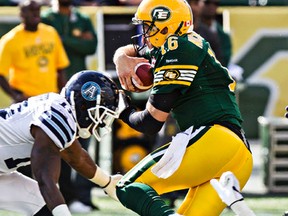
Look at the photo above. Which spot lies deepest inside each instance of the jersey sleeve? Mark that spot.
(58, 122)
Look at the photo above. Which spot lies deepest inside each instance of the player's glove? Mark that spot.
(106, 182)
(110, 188)
(173, 156)
(227, 188)
(124, 102)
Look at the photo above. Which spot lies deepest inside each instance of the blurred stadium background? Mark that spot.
(259, 32)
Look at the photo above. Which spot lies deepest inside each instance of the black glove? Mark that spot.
(124, 106)
(124, 102)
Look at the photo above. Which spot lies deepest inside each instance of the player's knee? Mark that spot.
(121, 194)
(127, 193)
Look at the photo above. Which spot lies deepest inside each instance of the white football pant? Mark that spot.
(19, 193)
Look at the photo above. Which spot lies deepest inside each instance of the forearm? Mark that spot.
(124, 52)
(6, 87)
(51, 195)
(84, 164)
(54, 200)
(91, 171)
(61, 79)
(141, 121)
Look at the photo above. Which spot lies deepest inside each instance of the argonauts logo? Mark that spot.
(90, 90)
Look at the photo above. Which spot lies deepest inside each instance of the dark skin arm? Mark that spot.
(46, 163)
(61, 78)
(16, 96)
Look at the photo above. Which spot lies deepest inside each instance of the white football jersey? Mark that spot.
(51, 112)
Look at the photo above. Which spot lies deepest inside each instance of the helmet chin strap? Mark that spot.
(84, 133)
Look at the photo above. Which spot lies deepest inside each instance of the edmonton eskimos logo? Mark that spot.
(90, 90)
(171, 75)
(161, 13)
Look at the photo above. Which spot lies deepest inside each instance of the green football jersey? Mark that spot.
(188, 64)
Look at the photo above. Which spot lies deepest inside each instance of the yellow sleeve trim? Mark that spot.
(167, 82)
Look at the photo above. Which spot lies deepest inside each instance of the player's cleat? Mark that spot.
(285, 213)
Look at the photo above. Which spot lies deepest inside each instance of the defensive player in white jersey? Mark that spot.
(44, 129)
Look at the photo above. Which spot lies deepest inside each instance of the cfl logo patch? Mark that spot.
(161, 14)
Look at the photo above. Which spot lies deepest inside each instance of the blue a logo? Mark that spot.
(90, 90)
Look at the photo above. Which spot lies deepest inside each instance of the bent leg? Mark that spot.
(202, 199)
(211, 152)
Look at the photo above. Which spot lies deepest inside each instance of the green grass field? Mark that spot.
(262, 206)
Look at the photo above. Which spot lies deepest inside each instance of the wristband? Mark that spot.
(236, 202)
(107, 183)
(101, 178)
(61, 210)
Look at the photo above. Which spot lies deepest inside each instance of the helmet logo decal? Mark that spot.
(90, 90)
(161, 14)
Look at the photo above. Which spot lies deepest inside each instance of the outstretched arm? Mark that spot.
(45, 162)
(16, 96)
(80, 160)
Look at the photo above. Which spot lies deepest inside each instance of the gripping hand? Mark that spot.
(110, 188)
(227, 188)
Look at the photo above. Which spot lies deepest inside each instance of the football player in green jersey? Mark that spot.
(192, 86)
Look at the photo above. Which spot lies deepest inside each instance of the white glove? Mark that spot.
(123, 102)
(173, 156)
(227, 188)
(110, 189)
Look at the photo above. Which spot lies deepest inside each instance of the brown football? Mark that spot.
(145, 74)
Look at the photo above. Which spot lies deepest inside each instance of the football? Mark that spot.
(145, 74)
